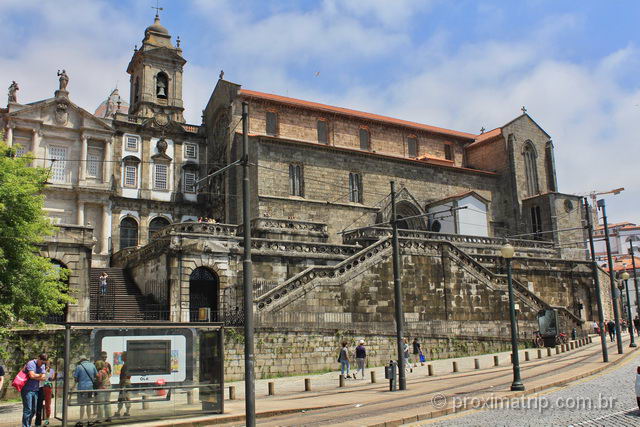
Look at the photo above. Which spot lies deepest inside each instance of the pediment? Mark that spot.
(60, 112)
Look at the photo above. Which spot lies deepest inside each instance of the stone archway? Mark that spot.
(204, 292)
(407, 215)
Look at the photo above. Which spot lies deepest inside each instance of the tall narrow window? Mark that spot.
(93, 164)
(323, 132)
(412, 146)
(161, 177)
(550, 165)
(355, 187)
(58, 156)
(136, 90)
(295, 180)
(448, 152)
(536, 221)
(162, 86)
(131, 176)
(272, 123)
(365, 143)
(128, 233)
(530, 168)
(189, 182)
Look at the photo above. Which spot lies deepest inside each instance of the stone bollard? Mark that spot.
(557, 349)
(190, 397)
(539, 353)
(476, 363)
(549, 351)
(455, 366)
(526, 356)
(373, 377)
(232, 392)
(572, 345)
(340, 381)
(590, 340)
(307, 384)
(496, 361)
(145, 404)
(272, 388)
(430, 370)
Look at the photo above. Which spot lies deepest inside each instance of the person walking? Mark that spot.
(405, 354)
(636, 324)
(35, 371)
(85, 375)
(103, 283)
(361, 356)
(343, 359)
(611, 329)
(1, 378)
(103, 382)
(417, 353)
(124, 397)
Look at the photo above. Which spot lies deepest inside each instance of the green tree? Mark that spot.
(31, 287)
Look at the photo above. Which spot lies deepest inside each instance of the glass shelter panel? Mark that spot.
(140, 373)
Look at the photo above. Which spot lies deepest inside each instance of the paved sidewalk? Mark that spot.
(362, 403)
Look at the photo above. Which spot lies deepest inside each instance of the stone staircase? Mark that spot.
(299, 285)
(123, 300)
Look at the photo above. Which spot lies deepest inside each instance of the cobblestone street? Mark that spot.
(606, 399)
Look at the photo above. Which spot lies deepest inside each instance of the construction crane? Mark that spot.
(594, 196)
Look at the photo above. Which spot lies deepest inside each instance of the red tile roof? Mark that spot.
(486, 137)
(354, 113)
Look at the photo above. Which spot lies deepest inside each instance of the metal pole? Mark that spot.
(66, 375)
(596, 280)
(397, 291)
(249, 362)
(635, 277)
(516, 385)
(616, 308)
(633, 340)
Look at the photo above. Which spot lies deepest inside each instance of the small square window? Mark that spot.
(189, 182)
(131, 143)
(191, 151)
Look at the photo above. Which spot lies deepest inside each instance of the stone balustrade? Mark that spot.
(279, 224)
(266, 246)
(207, 228)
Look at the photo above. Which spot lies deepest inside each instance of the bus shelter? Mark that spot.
(153, 370)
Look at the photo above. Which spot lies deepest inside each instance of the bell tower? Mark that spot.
(156, 76)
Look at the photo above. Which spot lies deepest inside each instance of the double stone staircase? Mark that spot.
(123, 300)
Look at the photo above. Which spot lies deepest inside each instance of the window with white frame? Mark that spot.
(131, 143)
(161, 177)
(190, 182)
(94, 158)
(58, 156)
(190, 151)
(131, 175)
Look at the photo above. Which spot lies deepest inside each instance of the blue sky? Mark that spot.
(458, 64)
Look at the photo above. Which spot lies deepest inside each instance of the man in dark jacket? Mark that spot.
(611, 328)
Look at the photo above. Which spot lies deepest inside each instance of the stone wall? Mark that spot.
(281, 352)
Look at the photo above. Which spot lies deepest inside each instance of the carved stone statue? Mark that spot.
(64, 79)
(13, 96)
(221, 76)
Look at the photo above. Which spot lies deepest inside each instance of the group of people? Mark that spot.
(360, 354)
(207, 220)
(91, 379)
(610, 327)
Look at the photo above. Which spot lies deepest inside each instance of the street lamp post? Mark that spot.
(507, 252)
(625, 277)
(614, 293)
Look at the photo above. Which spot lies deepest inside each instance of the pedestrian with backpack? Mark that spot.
(343, 359)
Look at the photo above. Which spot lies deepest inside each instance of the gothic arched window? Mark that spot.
(530, 168)
(128, 233)
(162, 85)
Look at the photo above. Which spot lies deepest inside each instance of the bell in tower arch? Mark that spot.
(161, 85)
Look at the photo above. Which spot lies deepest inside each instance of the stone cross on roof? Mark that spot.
(157, 8)
(523, 109)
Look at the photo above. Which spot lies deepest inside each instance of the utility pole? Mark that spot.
(596, 280)
(397, 291)
(635, 276)
(614, 291)
(249, 358)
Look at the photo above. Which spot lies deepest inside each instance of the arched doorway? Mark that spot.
(204, 288)
(128, 233)
(157, 224)
(407, 215)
